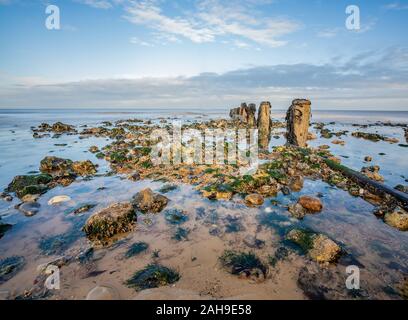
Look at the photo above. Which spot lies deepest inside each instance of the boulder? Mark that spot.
(58, 199)
(147, 201)
(310, 204)
(105, 224)
(29, 208)
(56, 167)
(319, 247)
(29, 184)
(298, 121)
(372, 172)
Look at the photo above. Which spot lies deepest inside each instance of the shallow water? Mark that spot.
(380, 250)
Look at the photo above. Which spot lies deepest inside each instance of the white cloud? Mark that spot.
(396, 6)
(99, 4)
(369, 80)
(211, 20)
(328, 33)
(137, 41)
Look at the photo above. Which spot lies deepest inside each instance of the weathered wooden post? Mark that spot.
(297, 122)
(244, 114)
(264, 124)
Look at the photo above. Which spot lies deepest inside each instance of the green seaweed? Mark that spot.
(181, 234)
(168, 188)
(175, 216)
(238, 262)
(9, 267)
(152, 276)
(136, 249)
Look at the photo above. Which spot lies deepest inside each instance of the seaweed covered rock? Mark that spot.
(105, 224)
(243, 264)
(318, 246)
(59, 167)
(29, 184)
(397, 219)
(9, 267)
(152, 276)
(84, 168)
(147, 201)
(175, 216)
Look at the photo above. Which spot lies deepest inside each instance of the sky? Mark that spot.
(203, 54)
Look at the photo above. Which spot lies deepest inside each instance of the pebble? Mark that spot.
(58, 199)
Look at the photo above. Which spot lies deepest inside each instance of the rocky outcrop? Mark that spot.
(102, 226)
(244, 114)
(264, 124)
(318, 246)
(146, 201)
(298, 121)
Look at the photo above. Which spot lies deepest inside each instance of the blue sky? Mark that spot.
(157, 53)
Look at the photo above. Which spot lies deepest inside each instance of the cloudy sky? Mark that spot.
(203, 54)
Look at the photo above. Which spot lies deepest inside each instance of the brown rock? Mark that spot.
(84, 168)
(105, 224)
(254, 200)
(397, 219)
(146, 201)
(244, 114)
(311, 204)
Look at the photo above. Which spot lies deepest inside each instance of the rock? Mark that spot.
(94, 149)
(372, 173)
(105, 224)
(311, 136)
(368, 159)
(244, 114)
(60, 127)
(58, 199)
(264, 124)
(268, 190)
(56, 167)
(146, 201)
(102, 293)
(311, 204)
(340, 142)
(254, 200)
(318, 246)
(30, 198)
(6, 197)
(406, 134)
(29, 184)
(223, 195)
(29, 208)
(134, 176)
(297, 211)
(4, 227)
(397, 219)
(298, 119)
(296, 183)
(9, 267)
(401, 188)
(84, 168)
